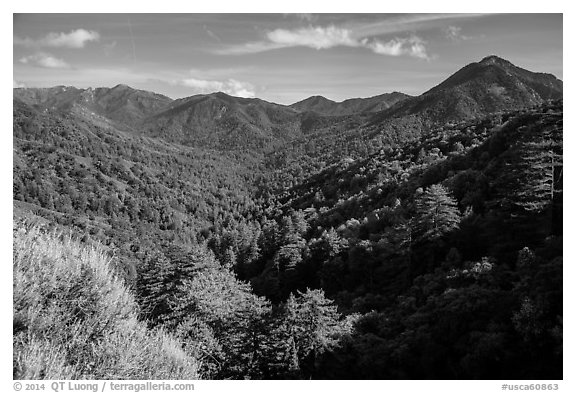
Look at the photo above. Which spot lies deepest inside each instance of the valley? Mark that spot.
(390, 237)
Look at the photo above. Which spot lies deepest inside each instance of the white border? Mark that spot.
(230, 6)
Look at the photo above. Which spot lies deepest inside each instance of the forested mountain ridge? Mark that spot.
(490, 85)
(481, 89)
(224, 122)
(350, 106)
(121, 103)
(405, 249)
(214, 120)
(127, 192)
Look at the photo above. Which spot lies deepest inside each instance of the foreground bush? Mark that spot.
(73, 319)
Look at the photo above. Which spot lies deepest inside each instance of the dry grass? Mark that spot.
(73, 319)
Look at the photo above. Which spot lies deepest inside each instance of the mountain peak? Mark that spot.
(122, 86)
(220, 94)
(493, 59)
(490, 85)
(314, 100)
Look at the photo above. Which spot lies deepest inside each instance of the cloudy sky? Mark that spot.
(277, 57)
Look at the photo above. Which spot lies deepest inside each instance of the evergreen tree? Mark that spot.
(287, 262)
(531, 169)
(436, 213)
(155, 286)
(212, 298)
(539, 171)
(314, 324)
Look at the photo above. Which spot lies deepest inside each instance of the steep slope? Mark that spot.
(453, 238)
(75, 319)
(113, 184)
(491, 85)
(351, 106)
(372, 104)
(222, 121)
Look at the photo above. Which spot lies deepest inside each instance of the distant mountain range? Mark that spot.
(351, 106)
(218, 120)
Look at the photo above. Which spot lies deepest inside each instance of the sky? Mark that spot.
(281, 58)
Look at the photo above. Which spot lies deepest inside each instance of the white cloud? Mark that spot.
(44, 60)
(354, 34)
(232, 87)
(240, 89)
(203, 85)
(413, 46)
(75, 39)
(313, 37)
(330, 37)
(17, 84)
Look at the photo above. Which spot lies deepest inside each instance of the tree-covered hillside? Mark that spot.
(129, 193)
(450, 248)
(399, 244)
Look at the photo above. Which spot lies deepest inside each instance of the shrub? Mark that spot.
(74, 319)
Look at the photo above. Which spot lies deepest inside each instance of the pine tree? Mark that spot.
(533, 167)
(436, 213)
(286, 262)
(155, 286)
(539, 171)
(314, 324)
(162, 276)
(212, 298)
(327, 246)
(292, 359)
(247, 340)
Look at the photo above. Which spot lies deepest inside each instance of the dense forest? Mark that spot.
(413, 238)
